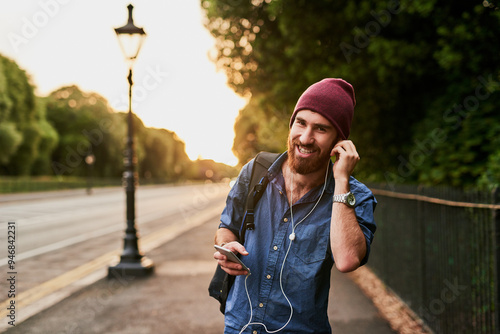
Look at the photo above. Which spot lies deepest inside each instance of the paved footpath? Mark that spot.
(175, 299)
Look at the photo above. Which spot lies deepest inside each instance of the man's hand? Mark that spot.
(346, 158)
(232, 268)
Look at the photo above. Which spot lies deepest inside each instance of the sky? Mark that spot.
(176, 87)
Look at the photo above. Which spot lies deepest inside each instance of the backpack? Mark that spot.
(222, 282)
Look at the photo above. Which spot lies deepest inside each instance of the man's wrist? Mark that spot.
(341, 186)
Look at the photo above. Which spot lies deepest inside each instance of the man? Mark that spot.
(305, 222)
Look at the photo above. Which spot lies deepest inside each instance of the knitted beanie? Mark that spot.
(332, 98)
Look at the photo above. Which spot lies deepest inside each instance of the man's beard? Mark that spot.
(306, 165)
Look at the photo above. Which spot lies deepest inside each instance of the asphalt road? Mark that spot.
(63, 237)
(48, 222)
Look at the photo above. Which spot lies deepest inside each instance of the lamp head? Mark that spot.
(130, 38)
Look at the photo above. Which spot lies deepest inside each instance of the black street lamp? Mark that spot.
(132, 262)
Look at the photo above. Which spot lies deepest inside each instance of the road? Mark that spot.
(51, 223)
(61, 235)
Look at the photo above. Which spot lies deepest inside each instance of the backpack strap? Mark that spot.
(258, 183)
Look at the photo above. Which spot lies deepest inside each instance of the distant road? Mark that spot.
(53, 220)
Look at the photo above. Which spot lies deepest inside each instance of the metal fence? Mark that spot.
(439, 249)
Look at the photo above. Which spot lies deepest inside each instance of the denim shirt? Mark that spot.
(307, 269)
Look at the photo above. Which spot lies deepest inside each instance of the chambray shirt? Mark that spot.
(307, 269)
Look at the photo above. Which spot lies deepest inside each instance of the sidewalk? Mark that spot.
(175, 299)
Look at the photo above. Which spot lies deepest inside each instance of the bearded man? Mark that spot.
(312, 214)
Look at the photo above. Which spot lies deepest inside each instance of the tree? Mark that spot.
(286, 46)
(25, 135)
(48, 142)
(164, 156)
(86, 125)
(408, 61)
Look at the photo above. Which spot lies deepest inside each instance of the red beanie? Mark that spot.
(332, 98)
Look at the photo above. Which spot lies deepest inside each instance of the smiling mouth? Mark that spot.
(303, 150)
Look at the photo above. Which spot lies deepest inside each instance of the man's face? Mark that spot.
(310, 141)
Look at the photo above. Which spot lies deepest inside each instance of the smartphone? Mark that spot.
(231, 256)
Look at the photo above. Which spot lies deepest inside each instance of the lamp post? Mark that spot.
(132, 262)
(89, 160)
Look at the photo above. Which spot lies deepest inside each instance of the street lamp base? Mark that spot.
(123, 270)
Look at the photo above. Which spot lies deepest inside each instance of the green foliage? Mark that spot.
(409, 63)
(490, 178)
(258, 129)
(25, 135)
(48, 142)
(25, 156)
(467, 111)
(164, 156)
(86, 125)
(10, 139)
(17, 101)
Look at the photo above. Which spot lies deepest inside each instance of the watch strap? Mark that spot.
(340, 198)
(347, 198)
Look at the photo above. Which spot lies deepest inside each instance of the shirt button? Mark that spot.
(254, 332)
(281, 193)
(261, 305)
(285, 220)
(275, 247)
(268, 276)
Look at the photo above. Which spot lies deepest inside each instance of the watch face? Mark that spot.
(351, 200)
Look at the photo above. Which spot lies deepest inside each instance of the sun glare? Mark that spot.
(176, 86)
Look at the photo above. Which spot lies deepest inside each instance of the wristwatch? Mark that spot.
(347, 199)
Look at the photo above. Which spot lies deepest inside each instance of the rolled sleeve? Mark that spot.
(364, 210)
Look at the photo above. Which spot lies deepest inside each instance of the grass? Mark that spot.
(9, 185)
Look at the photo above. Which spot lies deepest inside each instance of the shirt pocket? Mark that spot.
(311, 243)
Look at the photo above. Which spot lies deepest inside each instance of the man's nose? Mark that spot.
(306, 137)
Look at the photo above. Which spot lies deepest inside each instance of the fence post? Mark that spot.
(496, 243)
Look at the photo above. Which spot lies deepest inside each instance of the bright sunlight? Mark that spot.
(176, 87)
